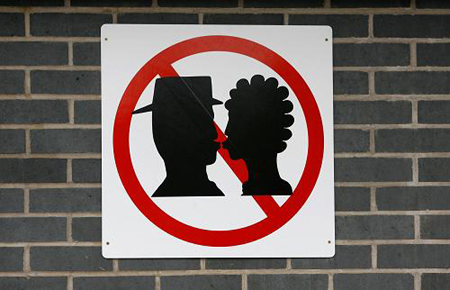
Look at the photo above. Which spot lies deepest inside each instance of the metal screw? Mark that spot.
(326, 39)
(107, 243)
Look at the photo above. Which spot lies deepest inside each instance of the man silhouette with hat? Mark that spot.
(184, 134)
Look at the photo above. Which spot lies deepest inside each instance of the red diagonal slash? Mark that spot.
(266, 202)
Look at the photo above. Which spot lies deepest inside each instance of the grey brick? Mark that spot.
(42, 3)
(369, 3)
(114, 283)
(435, 227)
(35, 170)
(430, 54)
(373, 281)
(65, 24)
(33, 111)
(245, 263)
(350, 83)
(33, 283)
(11, 200)
(283, 3)
(32, 229)
(412, 140)
(371, 54)
(65, 200)
(87, 229)
(408, 26)
(65, 82)
(198, 3)
(11, 260)
(372, 169)
(434, 169)
(374, 227)
(87, 112)
(12, 141)
(287, 282)
(66, 141)
(266, 19)
(372, 112)
(68, 259)
(433, 281)
(87, 170)
(434, 112)
(201, 282)
(12, 24)
(111, 3)
(432, 4)
(342, 25)
(352, 198)
(158, 18)
(86, 53)
(347, 257)
(13, 81)
(413, 256)
(413, 198)
(351, 141)
(33, 53)
(418, 82)
(158, 264)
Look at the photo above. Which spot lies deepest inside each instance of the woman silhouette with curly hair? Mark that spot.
(256, 132)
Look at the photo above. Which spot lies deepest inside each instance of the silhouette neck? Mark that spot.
(186, 171)
(263, 169)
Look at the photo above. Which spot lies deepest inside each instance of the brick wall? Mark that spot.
(392, 122)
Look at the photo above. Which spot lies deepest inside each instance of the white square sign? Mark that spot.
(217, 141)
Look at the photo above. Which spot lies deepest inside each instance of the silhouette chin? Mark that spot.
(265, 187)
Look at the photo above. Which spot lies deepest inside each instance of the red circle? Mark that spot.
(162, 62)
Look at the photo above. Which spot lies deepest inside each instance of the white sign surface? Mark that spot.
(168, 190)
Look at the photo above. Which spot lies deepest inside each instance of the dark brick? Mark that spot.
(65, 24)
(283, 3)
(158, 18)
(111, 3)
(198, 3)
(66, 141)
(369, 3)
(375, 227)
(32, 3)
(418, 82)
(266, 19)
(87, 229)
(65, 200)
(432, 4)
(347, 257)
(11, 260)
(33, 170)
(434, 169)
(435, 227)
(412, 140)
(86, 53)
(114, 283)
(12, 24)
(342, 25)
(434, 112)
(371, 54)
(33, 111)
(33, 283)
(352, 198)
(12, 141)
(159, 264)
(413, 198)
(411, 26)
(372, 169)
(33, 53)
(32, 229)
(433, 281)
(430, 54)
(65, 82)
(11, 200)
(372, 112)
(245, 263)
(287, 282)
(201, 282)
(351, 141)
(413, 256)
(87, 112)
(373, 281)
(87, 170)
(13, 82)
(350, 83)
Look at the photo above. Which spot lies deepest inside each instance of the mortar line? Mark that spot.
(26, 200)
(26, 259)
(240, 4)
(70, 53)
(415, 169)
(289, 263)
(372, 141)
(373, 200)
(327, 4)
(413, 54)
(27, 82)
(371, 78)
(114, 17)
(286, 19)
(370, 26)
(69, 228)
(69, 171)
(70, 282)
(417, 227)
(417, 281)
(157, 282)
(330, 281)
(414, 113)
(374, 256)
(115, 263)
(27, 142)
(200, 18)
(202, 263)
(154, 3)
(27, 22)
(71, 111)
(244, 282)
